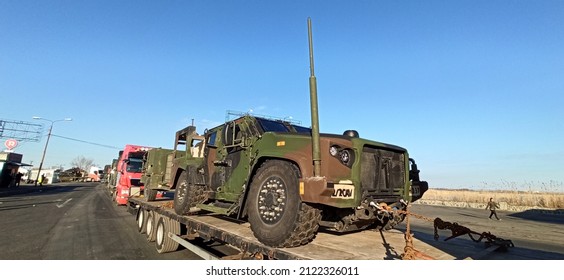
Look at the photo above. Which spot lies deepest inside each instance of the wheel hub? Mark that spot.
(182, 192)
(272, 200)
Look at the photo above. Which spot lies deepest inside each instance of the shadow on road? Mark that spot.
(546, 216)
(463, 247)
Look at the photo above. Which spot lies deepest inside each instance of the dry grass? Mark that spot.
(552, 200)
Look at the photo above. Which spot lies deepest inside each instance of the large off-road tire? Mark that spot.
(151, 225)
(150, 194)
(162, 241)
(142, 220)
(276, 213)
(187, 195)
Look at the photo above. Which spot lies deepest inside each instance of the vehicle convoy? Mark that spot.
(286, 180)
(128, 173)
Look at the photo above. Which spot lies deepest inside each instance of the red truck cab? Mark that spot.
(129, 170)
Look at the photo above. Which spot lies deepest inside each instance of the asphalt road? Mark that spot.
(79, 222)
(535, 235)
(72, 222)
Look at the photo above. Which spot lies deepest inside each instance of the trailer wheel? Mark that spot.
(163, 243)
(151, 218)
(150, 194)
(187, 195)
(277, 216)
(142, 220)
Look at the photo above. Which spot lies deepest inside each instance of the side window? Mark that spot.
(197, 148)
(233, 135)
(180, 146)
(211, 139)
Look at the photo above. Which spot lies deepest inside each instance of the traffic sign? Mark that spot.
(11, 144)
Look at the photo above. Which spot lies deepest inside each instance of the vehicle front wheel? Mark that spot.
(187, 195)
(276, 213)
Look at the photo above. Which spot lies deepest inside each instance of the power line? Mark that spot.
(20, 130)
(82, 141)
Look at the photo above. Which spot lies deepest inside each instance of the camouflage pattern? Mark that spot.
(360, 174)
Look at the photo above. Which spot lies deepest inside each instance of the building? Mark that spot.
(9, 167)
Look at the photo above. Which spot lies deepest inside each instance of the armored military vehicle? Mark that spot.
(287, 180)
(261, 169)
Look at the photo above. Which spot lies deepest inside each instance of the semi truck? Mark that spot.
(95, 174)
(287, 181)
(128, 173)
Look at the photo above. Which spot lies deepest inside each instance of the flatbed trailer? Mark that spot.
(158, 220)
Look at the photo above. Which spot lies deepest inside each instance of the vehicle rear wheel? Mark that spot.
(187, 195)
(277, 216)
(164, 243)
(150, 194)
(142, 220)
(150, 231)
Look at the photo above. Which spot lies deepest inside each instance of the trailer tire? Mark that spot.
(187, 195)
(276, 213)
(151, 220)
(150, 194)
(142, 220)
(164, 243)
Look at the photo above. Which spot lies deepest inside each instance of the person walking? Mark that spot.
(492, 205)
(42, 180)
(18, 178)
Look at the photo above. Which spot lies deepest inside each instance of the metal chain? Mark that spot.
(410, 253)
(455, 228)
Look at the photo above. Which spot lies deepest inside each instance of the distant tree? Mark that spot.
(82, 163)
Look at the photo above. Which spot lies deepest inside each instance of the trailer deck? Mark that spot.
(362, 245)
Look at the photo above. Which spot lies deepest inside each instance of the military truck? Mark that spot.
(156, 172)
(287, 180)
(261, 169)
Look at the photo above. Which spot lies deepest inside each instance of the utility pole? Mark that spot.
(46, 143)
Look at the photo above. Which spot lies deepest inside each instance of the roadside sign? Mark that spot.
(11, 144)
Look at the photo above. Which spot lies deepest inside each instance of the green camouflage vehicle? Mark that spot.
(261, 170)
(156, 172)
(287, 180)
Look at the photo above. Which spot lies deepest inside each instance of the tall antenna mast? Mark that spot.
(314, 112)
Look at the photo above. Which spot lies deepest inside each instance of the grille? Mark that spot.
(382, 172)
(136, 182)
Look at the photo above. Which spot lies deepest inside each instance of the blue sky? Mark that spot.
(473, 89)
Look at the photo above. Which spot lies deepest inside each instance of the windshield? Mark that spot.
(134, 165)
(272, 126)
(301, 129)
(278, 126)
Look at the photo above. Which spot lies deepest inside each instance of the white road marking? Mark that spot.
(62, 205)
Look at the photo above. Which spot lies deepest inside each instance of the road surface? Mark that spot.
(79, 222)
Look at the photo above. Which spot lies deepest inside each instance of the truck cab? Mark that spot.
(129, 171)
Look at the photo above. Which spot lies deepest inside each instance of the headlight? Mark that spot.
(333, 150)
(346, 157)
